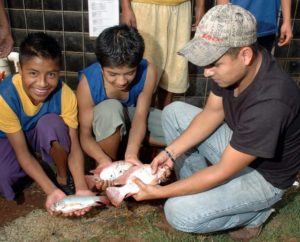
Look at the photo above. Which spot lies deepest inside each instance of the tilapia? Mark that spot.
(109, 172)
(144, 172)
(73, 202)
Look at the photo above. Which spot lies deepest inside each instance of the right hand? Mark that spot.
(52, 198)
(162, 160)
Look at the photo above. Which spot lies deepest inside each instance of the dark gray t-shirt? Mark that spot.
(265, 119)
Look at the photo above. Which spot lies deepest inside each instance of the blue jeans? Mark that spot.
(243, 200)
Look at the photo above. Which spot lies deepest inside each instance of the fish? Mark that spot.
(74, 202)
(116, 194)
(108, 172)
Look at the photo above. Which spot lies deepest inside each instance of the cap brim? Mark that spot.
(201, 53)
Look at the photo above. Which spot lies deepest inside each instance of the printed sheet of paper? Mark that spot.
(102, 14)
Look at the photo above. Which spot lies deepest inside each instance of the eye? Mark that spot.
(52, 74)
(32, 73)
(130, 73)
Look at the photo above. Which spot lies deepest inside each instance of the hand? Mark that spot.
(102, 164)
(162, 160)
(286, 34)
(6, 42)
(83, 211)
(128, 17)
(133, 159)
(102, 185)
(52, 198)
(146, 192)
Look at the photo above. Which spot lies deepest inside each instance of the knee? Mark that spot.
(175, 216)
(180, 214)
(108, 110)
(51, 121)
(171, 109)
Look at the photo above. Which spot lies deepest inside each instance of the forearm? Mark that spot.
(126, 5)
(199, 129)
(200, 4)
(76, 166)
(92, 148)
(200, 181)
(3, 18)
(136, 137)
(286, 10)
(33, 169)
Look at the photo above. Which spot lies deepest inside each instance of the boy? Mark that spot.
(117, 87)
(254, 155)
(39, 114)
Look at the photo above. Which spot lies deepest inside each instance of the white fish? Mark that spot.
(109, 172)
(143, 172)
(113, 171)
(73, 202)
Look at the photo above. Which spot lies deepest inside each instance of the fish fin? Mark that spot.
(90, 181)
(114, 195)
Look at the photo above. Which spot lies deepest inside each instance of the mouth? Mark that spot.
(41, 92)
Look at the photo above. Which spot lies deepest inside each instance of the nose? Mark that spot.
(42, 81)
(122, 80)
(208, 72)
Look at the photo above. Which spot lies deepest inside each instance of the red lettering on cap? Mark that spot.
(209, 37)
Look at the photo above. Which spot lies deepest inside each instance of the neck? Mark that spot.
(250, 75)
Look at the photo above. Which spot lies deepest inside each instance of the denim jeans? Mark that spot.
(243, 200)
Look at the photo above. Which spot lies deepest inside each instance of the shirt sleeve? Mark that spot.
(9, 122)
(69, 107)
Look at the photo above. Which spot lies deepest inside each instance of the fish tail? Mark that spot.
(90, 181)
(115, 195)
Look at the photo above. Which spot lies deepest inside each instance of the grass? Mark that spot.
(283, 225)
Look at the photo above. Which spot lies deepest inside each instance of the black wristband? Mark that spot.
(169, 155)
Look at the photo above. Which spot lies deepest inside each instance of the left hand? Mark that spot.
(147, 192)
(286, 34)
(133, 159)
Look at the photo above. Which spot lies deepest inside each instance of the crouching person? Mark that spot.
(249, 131)
(38, 114)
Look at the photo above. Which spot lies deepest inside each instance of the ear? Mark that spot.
(247, 55)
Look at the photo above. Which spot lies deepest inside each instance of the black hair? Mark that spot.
(234, 51)
(40, 45)
(120, 45)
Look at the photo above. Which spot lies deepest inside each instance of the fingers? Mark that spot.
(138, 182)
(102, 185)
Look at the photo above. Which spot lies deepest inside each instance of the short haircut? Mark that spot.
(40, 45)
(120, 45)
(234, 51)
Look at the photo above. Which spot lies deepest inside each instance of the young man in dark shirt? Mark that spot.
(249, 131)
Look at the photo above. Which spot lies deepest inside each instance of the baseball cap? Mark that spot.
(221, 28)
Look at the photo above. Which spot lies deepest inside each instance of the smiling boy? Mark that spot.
(39, 115)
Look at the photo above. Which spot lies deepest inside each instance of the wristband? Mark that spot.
(169, 155)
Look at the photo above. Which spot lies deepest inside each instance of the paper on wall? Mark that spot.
(102, 14)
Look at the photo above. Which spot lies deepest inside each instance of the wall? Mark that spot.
(67, 21)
